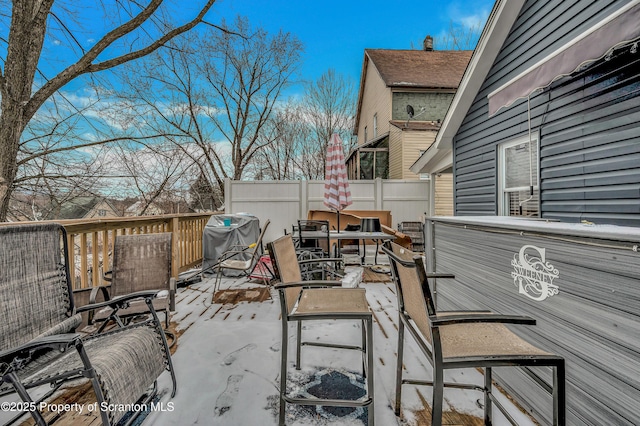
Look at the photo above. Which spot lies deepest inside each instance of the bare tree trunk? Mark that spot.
(19, 102)
(26, 37)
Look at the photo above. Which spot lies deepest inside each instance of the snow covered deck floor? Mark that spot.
(228, 358)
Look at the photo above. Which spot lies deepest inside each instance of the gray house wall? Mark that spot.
(592, 321)
(435, 104)
(589, 124)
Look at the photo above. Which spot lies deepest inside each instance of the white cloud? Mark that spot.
(474, 21)
(469, 14)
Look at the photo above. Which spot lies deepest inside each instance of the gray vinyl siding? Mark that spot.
(588, 124)
(592, 321)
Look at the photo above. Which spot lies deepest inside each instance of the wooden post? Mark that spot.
(175, 247)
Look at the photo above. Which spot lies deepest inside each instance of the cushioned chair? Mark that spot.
(140, 262)
(316, 300)
(453, 340)
(242, 258)
(39, 345)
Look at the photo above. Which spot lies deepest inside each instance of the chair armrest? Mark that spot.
(92, 298)
(480, 318)
(55, 341)
(231, 253)
(118, 300)
(311, 284)
(439, 275)
(237, 247)
(94, 292)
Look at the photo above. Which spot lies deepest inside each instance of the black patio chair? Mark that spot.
(452, 340)
(39, 345)
(309, 301)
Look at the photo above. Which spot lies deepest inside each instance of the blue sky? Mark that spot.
(336, 32)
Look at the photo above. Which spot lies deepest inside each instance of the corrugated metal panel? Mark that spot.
(589, 124)
(592, 321)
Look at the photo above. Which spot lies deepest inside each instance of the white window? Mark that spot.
(365, 134)
(518, 192)
(375, 125)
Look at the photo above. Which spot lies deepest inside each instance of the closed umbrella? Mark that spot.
(337, 194)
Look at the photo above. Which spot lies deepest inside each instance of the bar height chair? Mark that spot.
(463, 340)
(313, 301)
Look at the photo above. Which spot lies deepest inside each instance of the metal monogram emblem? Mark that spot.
(533, 275)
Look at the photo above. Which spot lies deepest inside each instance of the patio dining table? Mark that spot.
(350, 235)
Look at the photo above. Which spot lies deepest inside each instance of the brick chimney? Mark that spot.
(427, 44)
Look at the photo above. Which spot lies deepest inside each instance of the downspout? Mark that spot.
(530, 157)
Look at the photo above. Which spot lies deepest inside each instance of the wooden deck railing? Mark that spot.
(91, 242)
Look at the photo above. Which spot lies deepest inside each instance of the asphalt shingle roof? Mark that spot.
(441, 69)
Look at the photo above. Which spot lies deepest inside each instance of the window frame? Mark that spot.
(502, 190)
(375, 125)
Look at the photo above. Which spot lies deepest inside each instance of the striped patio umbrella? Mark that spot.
(337, 194)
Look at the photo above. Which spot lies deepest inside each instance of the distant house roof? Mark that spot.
(434, 69)
(415, 69)
(136, 208)
(75, 208)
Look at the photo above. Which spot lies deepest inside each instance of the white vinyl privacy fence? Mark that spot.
(284, 202)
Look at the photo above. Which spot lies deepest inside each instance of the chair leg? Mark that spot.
(438, 395)
(559, 395)
(370, 390)
(283, 370)
(364, 346)
(487, 396)
(24, 395)
(298, 344)
(399, 366)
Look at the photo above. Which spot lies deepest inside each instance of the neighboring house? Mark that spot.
(27, 206)
(389, 139)
(546, 122)
(83, 208)
(136, 209)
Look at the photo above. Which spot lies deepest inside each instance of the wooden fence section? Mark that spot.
(91, 242)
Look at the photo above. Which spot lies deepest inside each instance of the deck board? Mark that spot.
(227, 363)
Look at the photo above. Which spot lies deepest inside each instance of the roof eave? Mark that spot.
(502, 17)
(365, 64)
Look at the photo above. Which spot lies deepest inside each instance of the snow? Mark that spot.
(228, 363)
